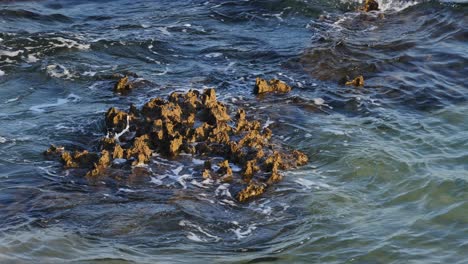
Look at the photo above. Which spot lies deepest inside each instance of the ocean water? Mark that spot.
(387, 180)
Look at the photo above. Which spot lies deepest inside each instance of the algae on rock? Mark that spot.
(194, 123)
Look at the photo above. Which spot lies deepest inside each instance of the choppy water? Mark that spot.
(387, 181)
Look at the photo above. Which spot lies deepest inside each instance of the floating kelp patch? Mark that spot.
(193, 123)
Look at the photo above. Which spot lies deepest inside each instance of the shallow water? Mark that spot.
(387, 181)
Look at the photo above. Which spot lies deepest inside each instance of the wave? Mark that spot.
(26, 14)
(402, 66)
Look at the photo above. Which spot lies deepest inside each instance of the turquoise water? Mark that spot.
(387, 178)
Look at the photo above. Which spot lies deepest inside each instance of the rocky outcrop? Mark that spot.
(194, 123)
(370, 5)
(123, 85)
(273, 86)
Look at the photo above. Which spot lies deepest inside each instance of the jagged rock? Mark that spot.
(116, 119)
(123, 86)
(79, 159)
(370, 5)
(54, 151)
(194, 123)
(224, 168)
(140, 150)
(249, 170)
(273, 86)
(300, 158)
(101, 164)
(252, 190)
(357, 82)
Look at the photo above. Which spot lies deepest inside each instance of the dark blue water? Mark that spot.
(388, 171)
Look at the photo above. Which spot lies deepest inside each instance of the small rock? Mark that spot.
(123, 86)
(370, 5)
(273, 86)
(357, 82)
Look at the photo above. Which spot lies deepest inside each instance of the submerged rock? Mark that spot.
(123, 85)
(53, 151)
(357, 82)
(370, 5)
(272, 86)
(77, 159)
(194, 123)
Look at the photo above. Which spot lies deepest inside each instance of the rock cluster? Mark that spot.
(194, 123)
(272, 86)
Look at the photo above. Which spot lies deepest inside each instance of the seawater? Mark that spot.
(387, 178)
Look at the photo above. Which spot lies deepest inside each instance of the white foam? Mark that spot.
(201, 185)
(243, 234)
(125, 130)
(126, 190)
(177, 170)
(164, 31)
(234, 167)
(319, 101)
(12, 100)
(394, 5)
(2, 73)
(268, 123)
(58, 71)
(388, 5)
(195, 238)
(40, 108)
(223, 190)
(214, 55)
(162, 73)
(32, 59)
(8, 53)
(69, 43)
(119, 161)
(183, 180)
(2, 140)
(89, 73)
(156, 181)
(198, 161)
(309, 184)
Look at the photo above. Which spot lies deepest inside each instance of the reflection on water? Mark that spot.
(387, 177)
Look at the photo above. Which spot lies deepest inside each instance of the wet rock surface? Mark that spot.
(370, 5)
(123, 85)
(357, 82)
(193, 123)
(273, 86)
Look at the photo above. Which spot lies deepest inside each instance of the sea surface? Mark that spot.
(387, 180)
